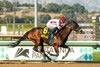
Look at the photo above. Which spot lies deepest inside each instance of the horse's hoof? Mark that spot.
(48, 52)
(46, 60)
(35, 49)
(49, 59)
(63, 57)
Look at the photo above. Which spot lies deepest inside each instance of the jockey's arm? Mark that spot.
(62, 25)
(58, 25)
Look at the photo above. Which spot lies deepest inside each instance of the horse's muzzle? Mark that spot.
(80, 31)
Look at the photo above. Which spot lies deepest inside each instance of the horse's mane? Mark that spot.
(60, 31)
(68, 22)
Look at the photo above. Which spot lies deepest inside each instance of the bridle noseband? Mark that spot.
(78, 28)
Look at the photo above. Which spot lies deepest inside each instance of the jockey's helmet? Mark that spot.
(63, 19)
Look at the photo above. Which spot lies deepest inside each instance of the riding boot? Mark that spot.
(52, 32)
(51, 38)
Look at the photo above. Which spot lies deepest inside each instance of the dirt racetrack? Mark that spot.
(52, 65)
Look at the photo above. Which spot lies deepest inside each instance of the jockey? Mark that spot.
(55, 24)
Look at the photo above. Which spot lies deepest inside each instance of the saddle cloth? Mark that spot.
(45, 33)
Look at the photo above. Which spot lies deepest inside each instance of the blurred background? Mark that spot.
(17, 16)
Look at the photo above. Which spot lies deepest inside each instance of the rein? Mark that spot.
(78, 28)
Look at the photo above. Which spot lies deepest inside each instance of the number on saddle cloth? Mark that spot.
(45, 33)
(46, 30)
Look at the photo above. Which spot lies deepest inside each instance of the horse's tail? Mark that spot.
(19, 40)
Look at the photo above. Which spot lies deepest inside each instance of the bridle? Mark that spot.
(78, 28)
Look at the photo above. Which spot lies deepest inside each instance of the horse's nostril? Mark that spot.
(81, 31)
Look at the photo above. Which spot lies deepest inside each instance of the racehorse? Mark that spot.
(59, 40)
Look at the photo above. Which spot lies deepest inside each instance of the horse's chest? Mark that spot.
(57, 40)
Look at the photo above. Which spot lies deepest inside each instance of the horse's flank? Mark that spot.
(35, 35)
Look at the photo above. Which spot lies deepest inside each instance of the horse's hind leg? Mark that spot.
(56, 50)
(43, 52)
(36, 48)
(37, 43)
(65, 46)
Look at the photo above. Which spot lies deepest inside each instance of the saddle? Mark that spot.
(48, 34)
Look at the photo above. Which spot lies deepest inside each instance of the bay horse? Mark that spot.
(59, 40)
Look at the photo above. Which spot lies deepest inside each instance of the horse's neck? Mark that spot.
(63, 34)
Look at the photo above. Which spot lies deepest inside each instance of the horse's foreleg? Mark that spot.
(43, 52)
(64, 46)
(66, 53)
